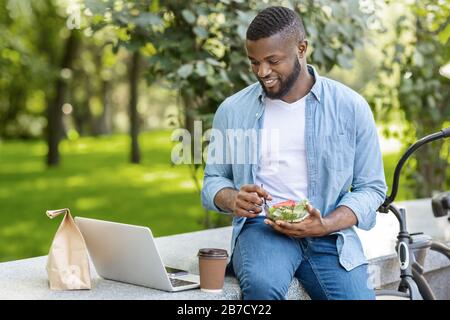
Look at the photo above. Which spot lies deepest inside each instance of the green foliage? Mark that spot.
(199, 46)
(134, 23)
(409, 81)
(30, 43)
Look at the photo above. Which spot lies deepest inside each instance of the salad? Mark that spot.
(289, 211)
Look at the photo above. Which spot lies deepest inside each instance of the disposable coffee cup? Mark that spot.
(212, 263)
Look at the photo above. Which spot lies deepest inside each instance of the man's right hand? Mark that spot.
(248, 202)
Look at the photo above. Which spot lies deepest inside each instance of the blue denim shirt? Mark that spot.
(344, 161)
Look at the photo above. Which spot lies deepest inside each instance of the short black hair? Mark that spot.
(273, 20)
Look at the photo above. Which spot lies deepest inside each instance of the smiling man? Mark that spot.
(327, 151)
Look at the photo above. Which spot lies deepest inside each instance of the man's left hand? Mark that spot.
(312, 226)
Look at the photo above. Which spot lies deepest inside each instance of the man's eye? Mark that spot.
(254, 63)
(274, 61)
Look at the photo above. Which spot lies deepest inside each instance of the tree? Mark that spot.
(94, 77)
(409, 81)
(39, 53)
(135, 24)
(134, 118)
(27, 65)
(54, 112)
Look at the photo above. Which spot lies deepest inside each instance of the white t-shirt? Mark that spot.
(282, 166)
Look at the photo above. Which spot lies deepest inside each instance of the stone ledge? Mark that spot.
(27, 279)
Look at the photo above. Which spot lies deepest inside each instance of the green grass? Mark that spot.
(95, 179)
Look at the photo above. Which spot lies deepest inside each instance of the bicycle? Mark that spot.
(413, 285)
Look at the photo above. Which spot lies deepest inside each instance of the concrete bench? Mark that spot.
(27, 279)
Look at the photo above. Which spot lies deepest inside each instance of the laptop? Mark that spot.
(128, 253)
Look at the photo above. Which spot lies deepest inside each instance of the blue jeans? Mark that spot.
(265, 262)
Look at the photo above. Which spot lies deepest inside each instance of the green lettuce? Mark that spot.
(289, 213)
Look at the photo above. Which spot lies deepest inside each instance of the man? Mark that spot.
(326, 145)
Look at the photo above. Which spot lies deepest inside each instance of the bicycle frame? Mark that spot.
(406, 255)
(411, 272)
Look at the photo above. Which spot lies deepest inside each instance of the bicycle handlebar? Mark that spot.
(442, 134)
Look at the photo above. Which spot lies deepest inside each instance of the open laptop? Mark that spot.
(128, 253)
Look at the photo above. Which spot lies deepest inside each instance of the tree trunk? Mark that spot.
(101, 124)
(134, 116)
(82, 113)
(54, 112)
(105, 120)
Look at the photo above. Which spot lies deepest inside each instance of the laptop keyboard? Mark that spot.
(179, 282)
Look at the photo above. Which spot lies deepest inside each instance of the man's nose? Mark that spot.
(264, 70)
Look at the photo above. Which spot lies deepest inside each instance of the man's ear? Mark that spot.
(301, 48)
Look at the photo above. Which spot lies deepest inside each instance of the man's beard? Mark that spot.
(286, 85)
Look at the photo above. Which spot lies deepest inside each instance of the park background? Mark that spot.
(91, 92)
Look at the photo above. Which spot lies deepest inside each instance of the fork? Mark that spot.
(265, 206)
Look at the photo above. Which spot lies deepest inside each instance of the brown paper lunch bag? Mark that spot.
(68, 261)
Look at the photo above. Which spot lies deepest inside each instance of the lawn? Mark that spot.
(96, 180)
